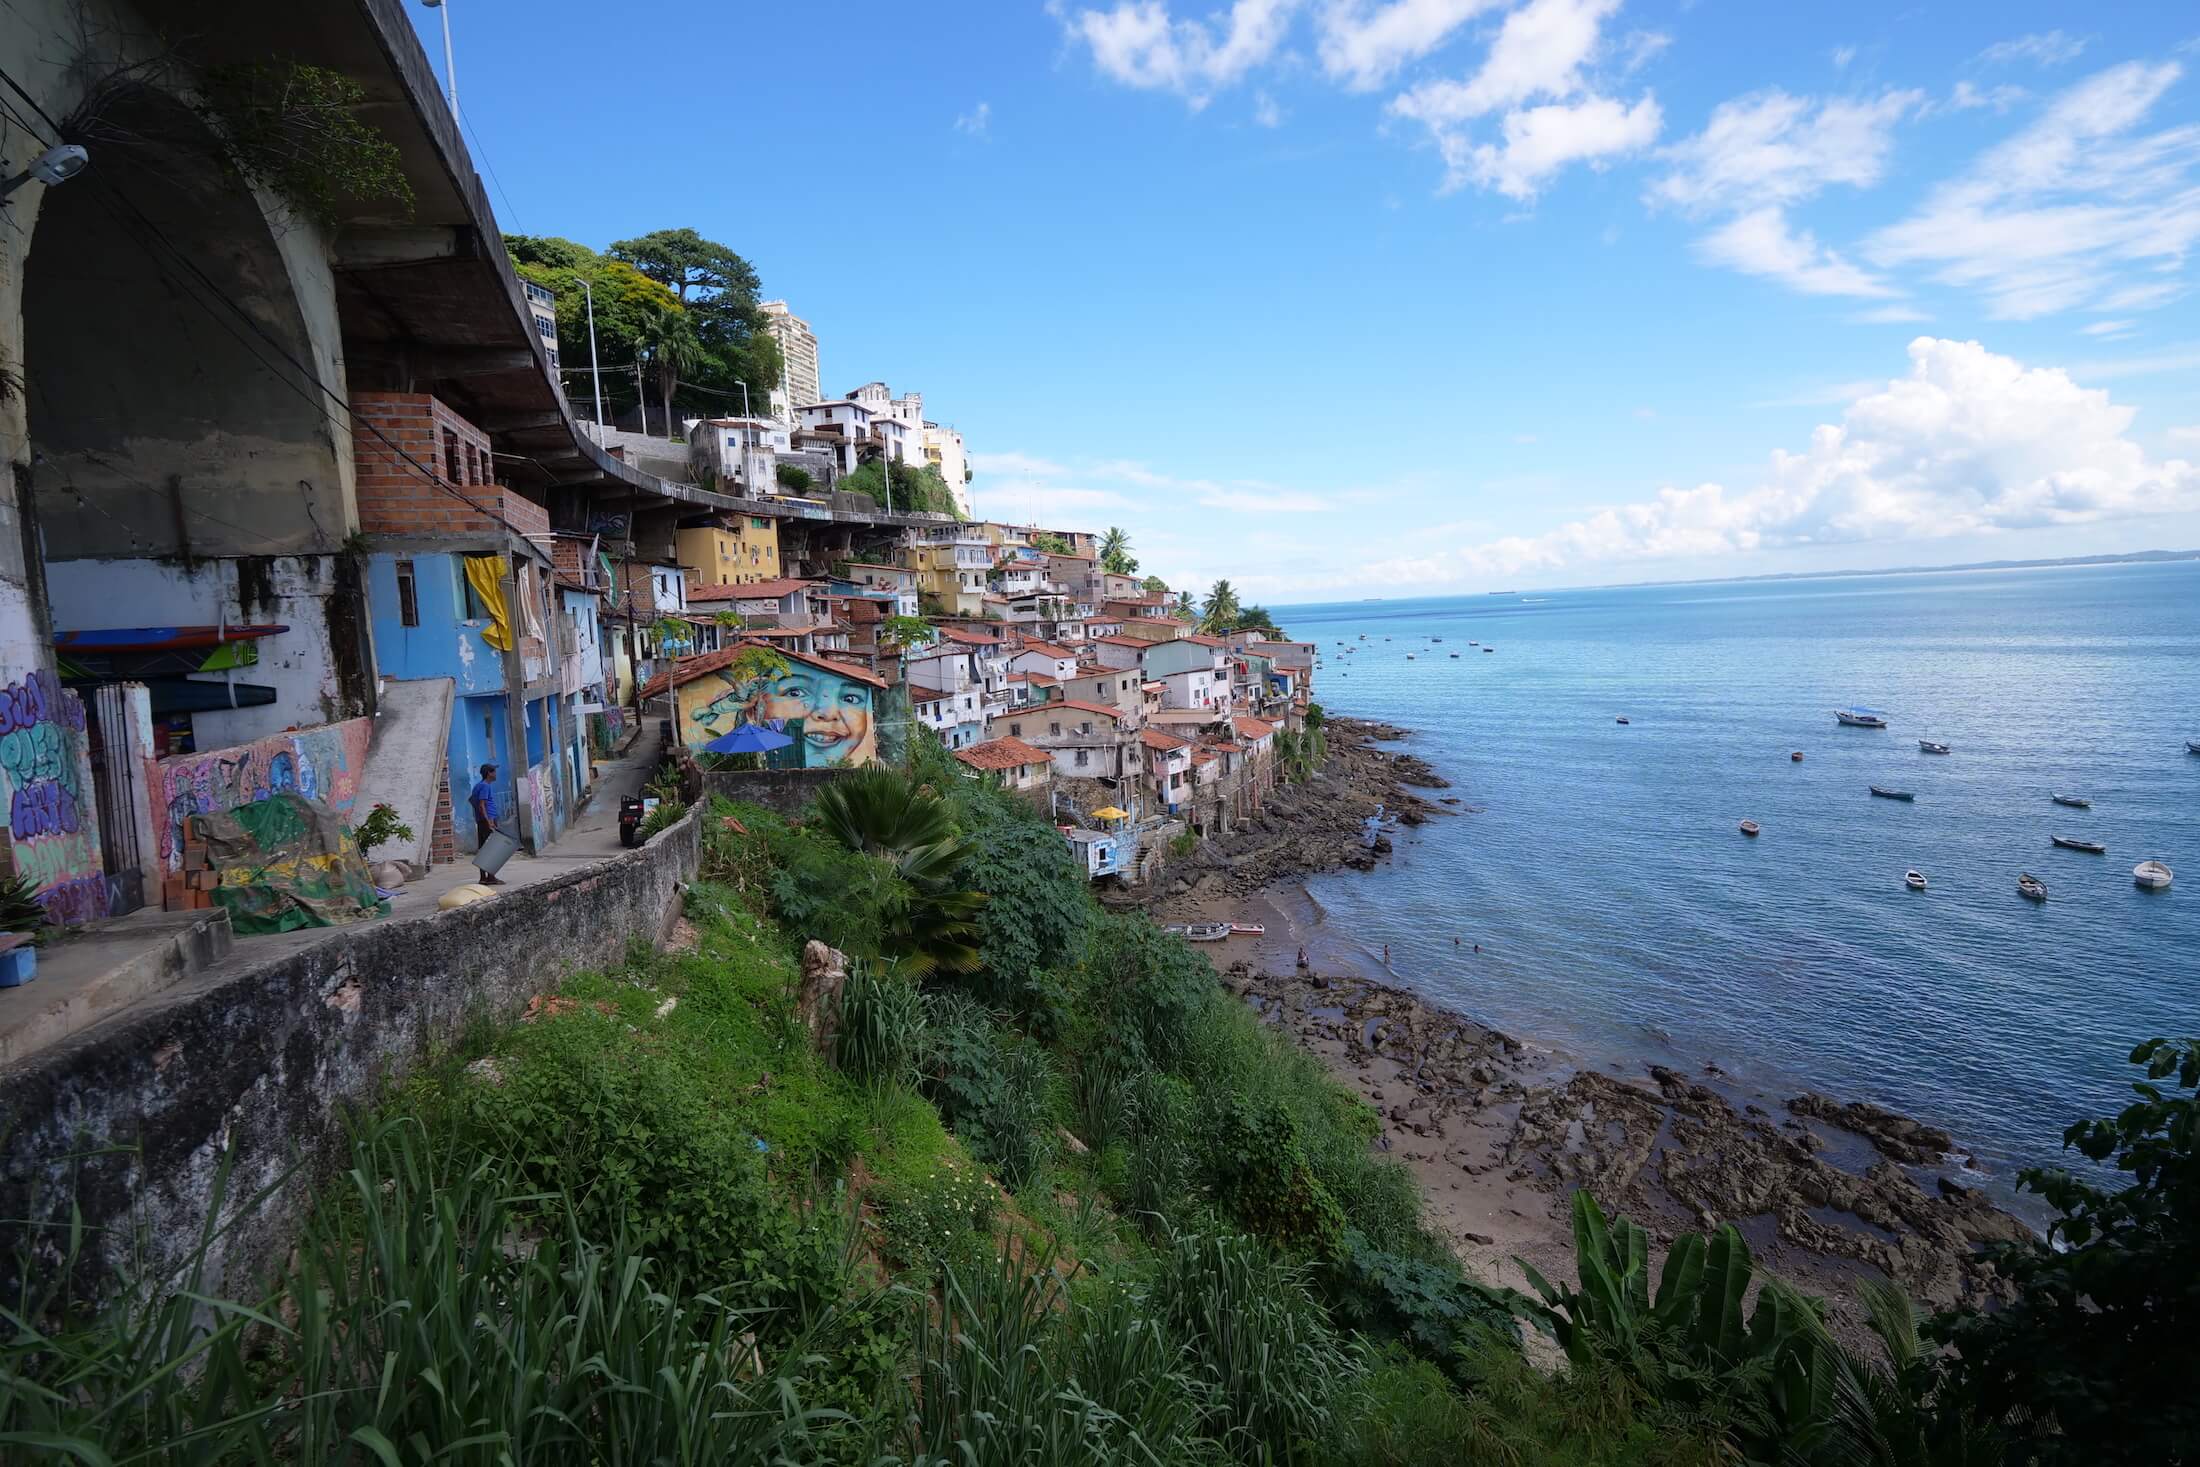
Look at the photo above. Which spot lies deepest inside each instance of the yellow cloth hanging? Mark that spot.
(485, 573)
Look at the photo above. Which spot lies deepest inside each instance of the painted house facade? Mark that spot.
(830, 709)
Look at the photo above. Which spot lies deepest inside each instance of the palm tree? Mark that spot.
(1115, 553)
(666, 337)
(1222, 608)
(1187, 606)
(881, 812)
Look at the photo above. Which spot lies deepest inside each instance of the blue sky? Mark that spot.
(1362, 297)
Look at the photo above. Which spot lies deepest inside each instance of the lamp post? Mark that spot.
(450, 73)
(595, 373)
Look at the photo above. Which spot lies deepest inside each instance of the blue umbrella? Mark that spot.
(749, 738)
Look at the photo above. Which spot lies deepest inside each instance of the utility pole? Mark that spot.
(595, 373)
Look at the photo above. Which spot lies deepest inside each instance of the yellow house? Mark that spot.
(952, 570)
(741, 551)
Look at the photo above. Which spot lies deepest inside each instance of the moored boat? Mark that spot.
(1749, 827)
(1621, 719)
(2075, 802)
(1914, 880)
(1930, 746)
(1207, 931)
(2151, 875)
(1796, 757)
(1887, 794)
(2030, 887)
(2192, 746)
(2073, 843)
(1860, 718)
(1246, 929)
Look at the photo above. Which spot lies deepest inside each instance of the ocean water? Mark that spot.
(1623, 917)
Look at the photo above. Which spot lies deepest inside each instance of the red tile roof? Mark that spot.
(1138, 642)
(688, 669)
(754, 591)
(1203, 639)
(1114, 713)
(1048, 649)
(1252, 728)
(1161, 743)
(1005, 752)
(969, 637)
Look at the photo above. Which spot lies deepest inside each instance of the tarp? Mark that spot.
(286, 862)
(485, 573)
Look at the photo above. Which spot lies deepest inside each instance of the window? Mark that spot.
(408, 596)
(1054, 728)
(467, 600)
(1083, 758)
(547, 327)
(1015, 730)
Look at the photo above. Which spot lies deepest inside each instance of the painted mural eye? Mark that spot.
(853, 698)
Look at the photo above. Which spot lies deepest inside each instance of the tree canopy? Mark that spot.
(636, 282)
(1222, 608)
(1115, 553)
(916, 490)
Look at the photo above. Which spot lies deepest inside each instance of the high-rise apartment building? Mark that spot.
(798, 382)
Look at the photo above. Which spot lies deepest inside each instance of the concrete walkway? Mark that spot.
(90, 976)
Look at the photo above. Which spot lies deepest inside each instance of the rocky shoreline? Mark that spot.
(1500, 1132)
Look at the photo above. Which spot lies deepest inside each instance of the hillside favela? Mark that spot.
(1170, 732)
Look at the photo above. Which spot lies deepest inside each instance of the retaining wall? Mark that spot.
(255, 1066)
(782, 791)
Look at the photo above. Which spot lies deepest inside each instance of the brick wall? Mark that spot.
(442, 845)
(411, 452)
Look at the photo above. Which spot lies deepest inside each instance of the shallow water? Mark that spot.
(1622, 915)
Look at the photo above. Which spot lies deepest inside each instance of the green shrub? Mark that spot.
(961, 1068)
(666, 813)
(1018, 1128)
(1262, 1181)
(881, 1034)
(942, 1218)
(1429, 1306)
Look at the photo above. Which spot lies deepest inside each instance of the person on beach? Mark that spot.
(1302, 957)
(1386, 954)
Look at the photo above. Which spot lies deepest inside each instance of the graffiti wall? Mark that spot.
(321, 764)
(830, 715)
(53, 818)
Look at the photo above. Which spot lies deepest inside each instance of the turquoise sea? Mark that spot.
(1623, 917)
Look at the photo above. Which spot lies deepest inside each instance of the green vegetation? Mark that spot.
(1063, 1200)
(1051, 543)
(916, 490)
(1115, 552)
(793, 478)
(298, 130)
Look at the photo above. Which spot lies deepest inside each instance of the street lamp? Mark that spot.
(450, 73)
(57, 165)
(595, 373)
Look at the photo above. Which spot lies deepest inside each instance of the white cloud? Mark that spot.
(1362, 44)
(2048, 48)
(1141, 44)
(2107, 328)
(1969, 96)
(1889, 315)
(1761, 242)
(976, 120)
(1541, 54)
(1773, 148)
(1969, 442)
(1041, 501)
(2183, 359)
(1842, 56)
(2047, 219)
(1826, 394)
(1020, 465)
(1539, 141)
(1646, 413)
(2187, 434)
(1265, 111)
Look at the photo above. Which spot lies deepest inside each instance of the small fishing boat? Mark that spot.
(2151, 875)
(1489, 649)
(1914, 880)
(2192, 746)
(2075, 802)
(2030, 887)
(1455, 654)
(1928, 746)
(1474, 644)
(1749, 827)
(1246, 929)
(1411, 658)
(1622, 718)
(2072, 843)
(1796, 757)
(1887, 794)
(1860, 718)
(1207, 931)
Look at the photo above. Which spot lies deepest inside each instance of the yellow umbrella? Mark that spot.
(1109, 812)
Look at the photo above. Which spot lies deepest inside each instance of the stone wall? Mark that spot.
(248, 1069)
(783, 791)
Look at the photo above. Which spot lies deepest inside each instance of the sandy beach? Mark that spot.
(1501, 1129)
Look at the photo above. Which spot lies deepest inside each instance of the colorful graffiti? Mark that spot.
(320, 764)
(831, 715)
(53, 820)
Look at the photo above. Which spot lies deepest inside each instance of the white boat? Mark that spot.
(2075, 802)
(2151, 875)
(2192, 746)
(2030, 887)
(1247, 929)
(1749, 827)
(1914, 880)
(1928, 746)
(1860, 717)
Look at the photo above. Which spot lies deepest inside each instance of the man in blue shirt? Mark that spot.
(484, 801)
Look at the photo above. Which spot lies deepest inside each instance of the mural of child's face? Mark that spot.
(836, 715)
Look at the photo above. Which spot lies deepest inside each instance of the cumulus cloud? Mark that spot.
(1763, 243)
(1141, 43)
(1364, 44)
(1969, 442)
(2051, 218)
(976, 121)
(1542, 55)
